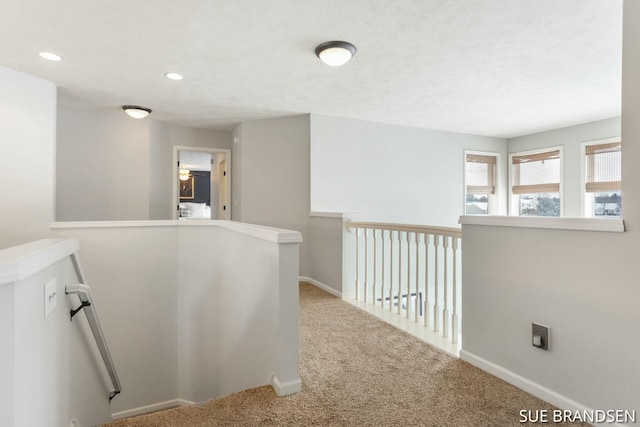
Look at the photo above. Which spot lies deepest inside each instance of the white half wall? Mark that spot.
(27, 132)
(570, 138)
(183, 321)
(392, 173)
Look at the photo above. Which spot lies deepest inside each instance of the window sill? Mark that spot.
(613, 225)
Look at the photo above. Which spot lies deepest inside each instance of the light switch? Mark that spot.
(50, 297)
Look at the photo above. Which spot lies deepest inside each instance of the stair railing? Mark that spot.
(87, 302)
(410, 269)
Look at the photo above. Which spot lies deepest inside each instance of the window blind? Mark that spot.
(536, 173)
(603, 167)
(480, 174)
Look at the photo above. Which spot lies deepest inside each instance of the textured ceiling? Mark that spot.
(489, 67)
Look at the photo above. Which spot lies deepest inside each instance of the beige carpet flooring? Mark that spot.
(359, 371)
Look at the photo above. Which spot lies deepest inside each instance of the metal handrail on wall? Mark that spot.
(87, 302)
(397, 263)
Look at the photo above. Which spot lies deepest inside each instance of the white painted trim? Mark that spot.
(610, 225)
(150, 408)
(270, 234)
(525, 384)
(326, 214)
(321, 285)
(19, 262)
(285, 389)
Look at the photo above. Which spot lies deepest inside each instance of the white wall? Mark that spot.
(27, 134)
(391, 173)
(583, 285)
(112, 167)
(102, 167)
(270, 175)
(570, 139)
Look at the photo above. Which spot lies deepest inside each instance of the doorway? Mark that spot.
(201, 183)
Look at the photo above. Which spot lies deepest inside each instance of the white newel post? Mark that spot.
(286, 379)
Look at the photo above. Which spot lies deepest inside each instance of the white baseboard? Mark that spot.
(150, 408)
(285, 389)
(548, 395)
(320, 285)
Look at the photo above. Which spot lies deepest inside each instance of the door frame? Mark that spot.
(174, 176)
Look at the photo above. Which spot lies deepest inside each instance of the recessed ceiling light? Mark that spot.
(50, 56)
(335, 53)
(136, 111)
(173, 76)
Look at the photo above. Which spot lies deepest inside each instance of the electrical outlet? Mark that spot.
(50, 297)
(540, 336)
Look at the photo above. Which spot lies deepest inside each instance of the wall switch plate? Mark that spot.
(540, 336)
(50, 297)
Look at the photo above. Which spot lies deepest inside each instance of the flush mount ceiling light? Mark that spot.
(50, 56)
(335, 53)
(173, 76)
(136, 111)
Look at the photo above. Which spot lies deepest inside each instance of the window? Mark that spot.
(536, 182)
(603, 178)
(480, 183)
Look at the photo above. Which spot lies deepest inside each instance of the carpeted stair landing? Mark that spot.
(359, 371)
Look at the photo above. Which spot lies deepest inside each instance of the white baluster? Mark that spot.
(445, 311)
(436, 307)
(408, 275)
(391, 270)
(375, 267)
(382, 285)
(416, 313)
(357, 259)
(366, 261)
(425, 313)
(399, 273)
(454, 320)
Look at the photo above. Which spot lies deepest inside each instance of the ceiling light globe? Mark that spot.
(173, 76)
(136, 111)
(50, 56)
(335, 53)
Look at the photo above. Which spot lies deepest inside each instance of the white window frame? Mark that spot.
(493, 199)
(514, 208)
(588, 199)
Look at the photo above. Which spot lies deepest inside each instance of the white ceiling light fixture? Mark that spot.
(136, 111)
(50, 56)
(335, 53)
(173, 76)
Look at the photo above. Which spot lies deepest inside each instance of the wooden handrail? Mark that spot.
(441, 231)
